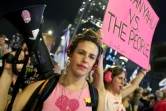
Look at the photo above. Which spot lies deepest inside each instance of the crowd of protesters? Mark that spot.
(84, 54)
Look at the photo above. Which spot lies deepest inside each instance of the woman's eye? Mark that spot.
(80, 53)
(120, 78)
(92, 57)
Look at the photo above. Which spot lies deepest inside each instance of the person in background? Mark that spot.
(111, 82)
(145, 99)
(2, 39)
(135, 102)
(127, 102)
(3, 46)
(161, 104)
(159, 95)
(164, 94)
(50, 42)
(4, 50)
(152, 100)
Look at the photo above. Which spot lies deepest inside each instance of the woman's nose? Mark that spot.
(85, 58)
(123, 81)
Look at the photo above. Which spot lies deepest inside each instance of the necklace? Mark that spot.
(63, 90)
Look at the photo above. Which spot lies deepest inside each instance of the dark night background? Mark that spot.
(59, 13)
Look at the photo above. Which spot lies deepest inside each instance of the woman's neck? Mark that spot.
(113, 91)
(72, 82)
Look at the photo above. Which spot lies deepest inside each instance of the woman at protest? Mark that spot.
(72, 91)
(114, 80)
(112, 85)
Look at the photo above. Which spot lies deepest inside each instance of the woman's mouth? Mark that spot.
(82, 67)
(121, 87)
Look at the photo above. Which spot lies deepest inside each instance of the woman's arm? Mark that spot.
(98, 76)
(101, 101)
(98, 73)
(7, 77)
(134, 83)
(5, 82)
(135, 108)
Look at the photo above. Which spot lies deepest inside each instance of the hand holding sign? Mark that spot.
(100, 34)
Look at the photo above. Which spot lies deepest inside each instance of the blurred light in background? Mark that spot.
(50, 32)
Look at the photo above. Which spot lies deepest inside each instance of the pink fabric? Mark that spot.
(62, 99)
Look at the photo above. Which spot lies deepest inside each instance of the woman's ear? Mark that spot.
(70, 55)
(68, 59)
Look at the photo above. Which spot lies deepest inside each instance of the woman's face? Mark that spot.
(83, 58)
(119, 81)
(140, 93)
(130, 95)
(2, 40)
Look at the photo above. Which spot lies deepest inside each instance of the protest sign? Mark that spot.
(128, 28)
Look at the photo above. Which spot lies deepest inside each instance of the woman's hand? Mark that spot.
(8, 66)
(144, 71)
(100, 34)
(149, 68)
(7, 77)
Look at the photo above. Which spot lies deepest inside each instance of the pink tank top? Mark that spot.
(62, 99)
